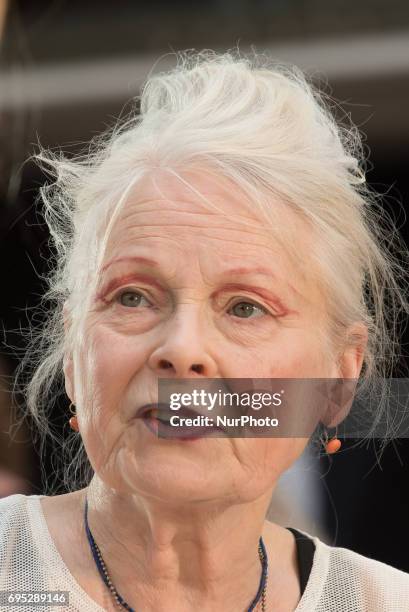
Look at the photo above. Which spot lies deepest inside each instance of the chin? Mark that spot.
(177, 492)
(169, 476)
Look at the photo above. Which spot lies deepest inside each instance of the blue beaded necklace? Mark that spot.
(121, 603)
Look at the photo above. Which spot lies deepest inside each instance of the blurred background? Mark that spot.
(68, 69)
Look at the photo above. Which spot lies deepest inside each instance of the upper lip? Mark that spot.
(183, 411)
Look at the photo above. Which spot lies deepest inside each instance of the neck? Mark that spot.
(195, 554)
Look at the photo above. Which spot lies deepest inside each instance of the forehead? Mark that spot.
(198, 207)
(183, 191)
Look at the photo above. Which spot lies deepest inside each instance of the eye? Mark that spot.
(131, 298)
(245, 310)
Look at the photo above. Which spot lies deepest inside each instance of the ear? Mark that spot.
(350, 362)
(347, 369)
(68, 366)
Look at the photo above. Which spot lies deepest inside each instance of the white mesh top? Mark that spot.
(340, 580)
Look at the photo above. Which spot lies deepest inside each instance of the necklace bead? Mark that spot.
(121, 603)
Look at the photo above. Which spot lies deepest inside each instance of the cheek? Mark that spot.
(105, 366)
(264, 460)
(107, 362)
(292, 353)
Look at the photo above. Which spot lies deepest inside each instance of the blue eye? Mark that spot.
(132, 299)
(245, 310)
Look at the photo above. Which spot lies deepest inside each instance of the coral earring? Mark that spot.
(74, 423)
(333, 446)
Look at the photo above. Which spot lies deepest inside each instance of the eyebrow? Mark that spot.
(251, 270)
(270, 297)
(136, 259)
(243, 270)
(127, 278)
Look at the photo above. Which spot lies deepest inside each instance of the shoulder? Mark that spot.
(15, 536)
(27, 553)
(13, 509)
(347, 580)
(15, 520)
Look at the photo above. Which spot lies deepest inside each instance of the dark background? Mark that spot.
(67, 69)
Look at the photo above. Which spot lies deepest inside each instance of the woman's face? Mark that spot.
(189, 292)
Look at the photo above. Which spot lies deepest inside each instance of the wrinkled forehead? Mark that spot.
(197, 201)
(195, 192)
(193, 186)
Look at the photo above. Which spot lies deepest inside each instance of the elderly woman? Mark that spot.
(223, 232)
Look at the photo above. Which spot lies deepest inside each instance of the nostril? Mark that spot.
(165, 365)
(197, 367)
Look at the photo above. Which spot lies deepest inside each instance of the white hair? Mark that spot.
(267, 128)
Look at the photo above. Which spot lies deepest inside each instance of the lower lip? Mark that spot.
(185, 434)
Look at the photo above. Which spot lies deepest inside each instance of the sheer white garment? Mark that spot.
(340, 580)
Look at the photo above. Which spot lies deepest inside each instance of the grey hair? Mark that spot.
(269, 129)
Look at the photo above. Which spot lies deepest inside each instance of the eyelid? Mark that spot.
(273, 303)
(130, 289)
(134, 280)
(238, 300)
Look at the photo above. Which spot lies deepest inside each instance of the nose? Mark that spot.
(182, 352)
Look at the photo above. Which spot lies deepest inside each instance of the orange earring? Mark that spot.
(333, 445)
(73, 420)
